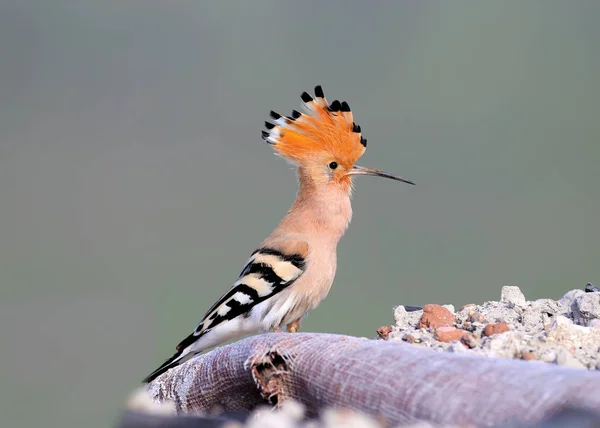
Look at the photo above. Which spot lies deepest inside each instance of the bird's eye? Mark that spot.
(333, 165)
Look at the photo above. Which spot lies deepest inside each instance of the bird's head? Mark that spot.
(324, 142)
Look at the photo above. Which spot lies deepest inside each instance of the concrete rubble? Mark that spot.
(564, 332)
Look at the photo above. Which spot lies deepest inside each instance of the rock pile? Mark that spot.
(564, 332)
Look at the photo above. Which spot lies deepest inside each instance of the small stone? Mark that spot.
(400, 315)
(528, 356)
(384, 331)
(591, 288)
(436, 316)
(531, 319)
(404, 318)
(467, 306)
(468, 340)
(448, 334)
(561, 322)
(497, 328)
(567, 300)
(477, 317)
(586, 307)
(512, 296)
(548, 308)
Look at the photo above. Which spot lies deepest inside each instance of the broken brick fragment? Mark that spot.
(435, 316)
(384, 331)
(497, 328)
(448, 334)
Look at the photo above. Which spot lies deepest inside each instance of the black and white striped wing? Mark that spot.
(267, 272)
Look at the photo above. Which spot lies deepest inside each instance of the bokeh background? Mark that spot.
(134, 183)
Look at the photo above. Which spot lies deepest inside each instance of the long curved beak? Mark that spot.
(361, 170)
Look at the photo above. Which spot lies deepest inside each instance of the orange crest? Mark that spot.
(324, 130)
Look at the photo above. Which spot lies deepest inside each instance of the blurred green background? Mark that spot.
(134, 183)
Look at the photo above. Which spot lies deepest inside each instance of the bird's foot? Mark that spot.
(293, 327)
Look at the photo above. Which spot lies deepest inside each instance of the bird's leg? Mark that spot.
(277, 329)
(294, 326)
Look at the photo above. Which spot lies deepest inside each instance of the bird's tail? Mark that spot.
(184, 353)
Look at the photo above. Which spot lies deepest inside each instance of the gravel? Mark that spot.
(564, 332)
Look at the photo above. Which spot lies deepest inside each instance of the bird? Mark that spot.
(293, 269)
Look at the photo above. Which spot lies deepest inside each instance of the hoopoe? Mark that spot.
(293, 269)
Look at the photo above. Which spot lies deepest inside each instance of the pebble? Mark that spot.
(531, 319)
(591, 288)
(435, 316)
(404, 318)
(548, 308)
(569, 297)
(512, 296)
(448, 334)
(498, 328)
(565, 332)
(586, 307)
(384, 331)
(477, 317)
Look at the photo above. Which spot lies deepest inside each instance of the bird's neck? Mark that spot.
(321, 210)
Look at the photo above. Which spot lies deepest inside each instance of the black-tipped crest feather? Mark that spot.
(306, 97)
(335, 106)
(319, 91)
